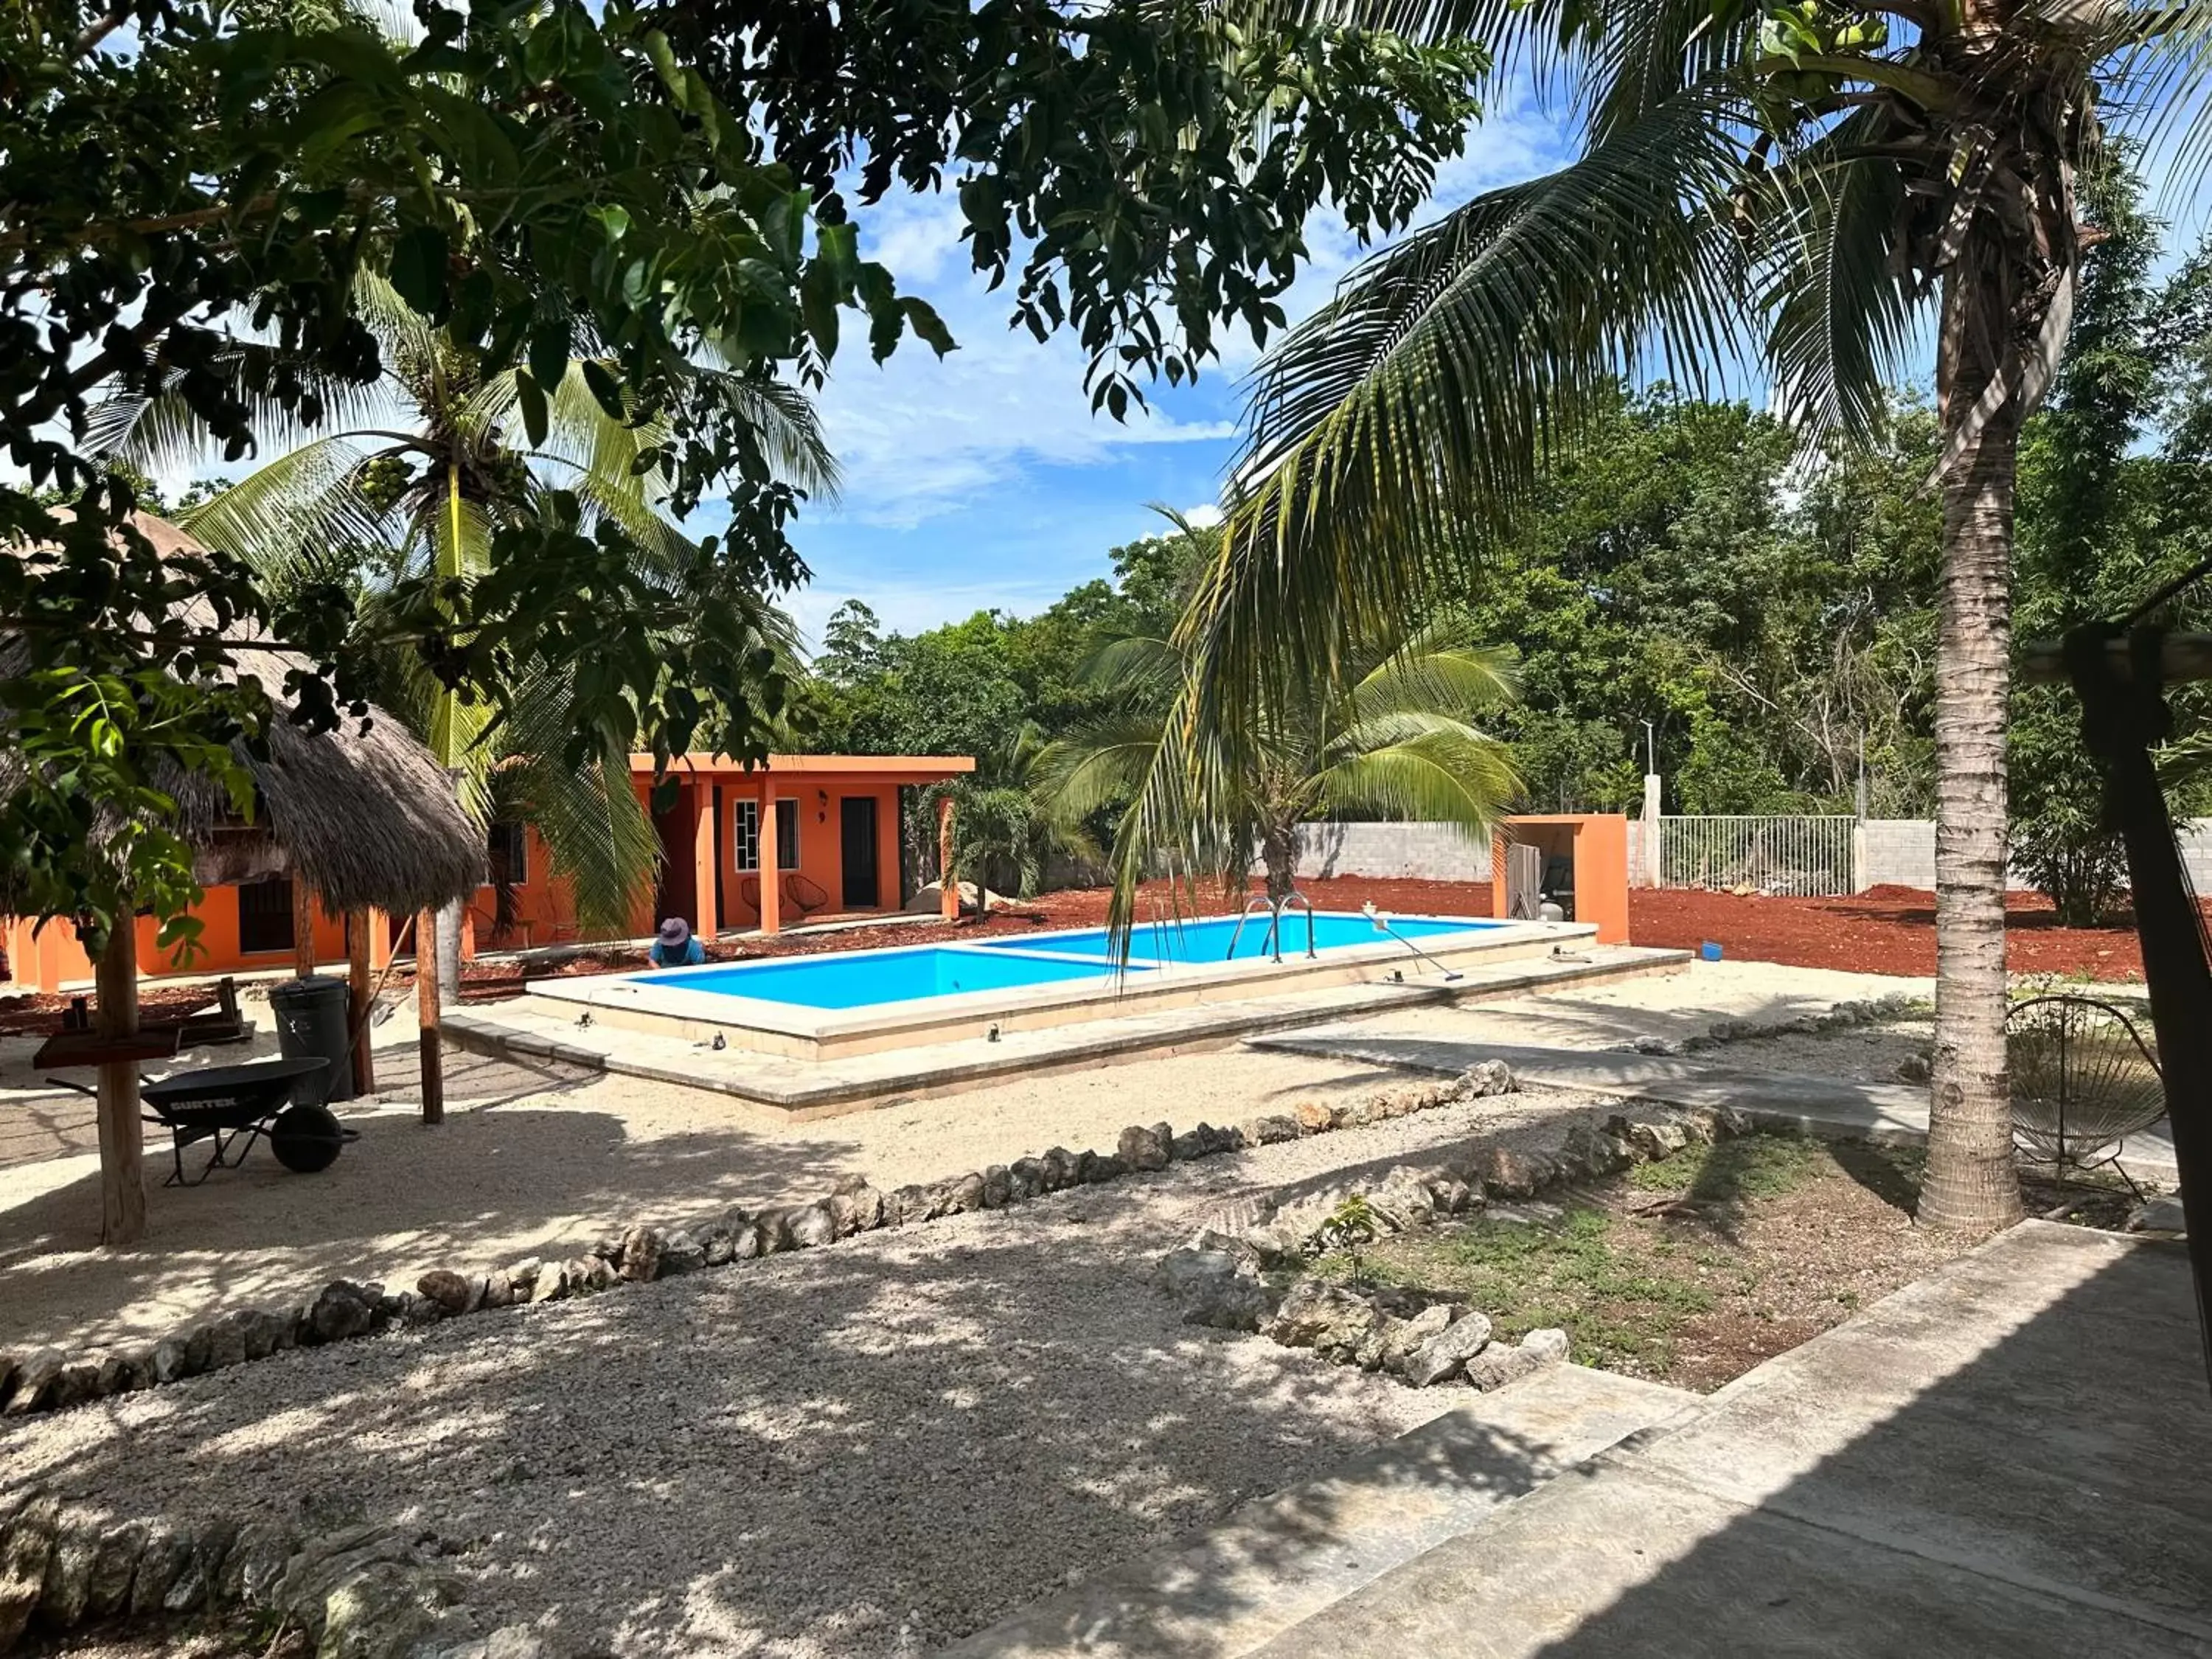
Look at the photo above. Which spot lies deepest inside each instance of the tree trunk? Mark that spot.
(122, 1134)
(1279, 852)
(1970, 1180)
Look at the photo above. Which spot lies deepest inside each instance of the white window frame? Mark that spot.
(745, 833)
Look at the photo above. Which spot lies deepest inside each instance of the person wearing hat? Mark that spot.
(675, 947)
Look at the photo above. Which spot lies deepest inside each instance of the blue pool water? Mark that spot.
(1209, 940)
(858, 981)
(867, 978)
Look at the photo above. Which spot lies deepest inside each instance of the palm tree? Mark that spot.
(1395, 739)
(425, 467)
(1798, 184)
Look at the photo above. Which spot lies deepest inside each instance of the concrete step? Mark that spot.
(1282, 1559)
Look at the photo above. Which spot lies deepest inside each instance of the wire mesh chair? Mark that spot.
(2082, 1081)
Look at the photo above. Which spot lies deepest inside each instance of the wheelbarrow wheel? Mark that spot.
(307, 1139)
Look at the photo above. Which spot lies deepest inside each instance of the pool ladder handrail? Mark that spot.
(1275, 923)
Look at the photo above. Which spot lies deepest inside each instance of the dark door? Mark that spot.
(264, 916)
(678, 892)
(857, 820)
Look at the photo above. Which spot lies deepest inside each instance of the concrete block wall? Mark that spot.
(1901, 852)
(1411, 852)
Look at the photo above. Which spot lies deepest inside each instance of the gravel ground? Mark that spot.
(1677, 1005)
(528, 1159)
(870, 1448)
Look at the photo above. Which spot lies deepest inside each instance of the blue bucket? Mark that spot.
(1710, 952)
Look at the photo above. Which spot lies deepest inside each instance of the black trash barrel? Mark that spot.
(311, 1024)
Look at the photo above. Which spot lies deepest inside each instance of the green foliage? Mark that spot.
(195, 191)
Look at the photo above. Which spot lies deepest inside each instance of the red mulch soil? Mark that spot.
(1885, 930)
(1888, 930)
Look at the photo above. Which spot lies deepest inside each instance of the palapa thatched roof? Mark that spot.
(368, 818)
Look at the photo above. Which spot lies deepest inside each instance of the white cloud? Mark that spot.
(1204, 516)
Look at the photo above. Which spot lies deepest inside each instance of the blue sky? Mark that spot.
(984, 479)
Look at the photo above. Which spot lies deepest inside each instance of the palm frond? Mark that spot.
(293, 508)
(1441, 777)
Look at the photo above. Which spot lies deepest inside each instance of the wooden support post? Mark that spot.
(771, 864)
(360, 951)
(948, 884)
(303, 926)
(426, 1003)
(122, 1135)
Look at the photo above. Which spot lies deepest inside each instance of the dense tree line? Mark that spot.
(1772, 619)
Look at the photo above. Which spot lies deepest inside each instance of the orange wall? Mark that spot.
(46, 959)
(1600, 841)
(544, 906)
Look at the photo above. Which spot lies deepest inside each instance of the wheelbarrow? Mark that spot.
(222, 1103)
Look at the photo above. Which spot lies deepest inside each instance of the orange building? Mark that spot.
(1584, 864)
(827, 825)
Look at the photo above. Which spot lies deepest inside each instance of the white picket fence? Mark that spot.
(1814, 857)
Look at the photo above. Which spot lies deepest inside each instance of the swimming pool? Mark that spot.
(855, 1003)
(861, 978)
(1213, 939)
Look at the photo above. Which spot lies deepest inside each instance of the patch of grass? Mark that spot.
(1618, 1305)
(1745, 1166)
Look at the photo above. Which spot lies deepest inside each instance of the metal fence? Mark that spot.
(1811, 856)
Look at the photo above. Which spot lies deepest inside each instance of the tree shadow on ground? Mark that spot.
(875, 1447)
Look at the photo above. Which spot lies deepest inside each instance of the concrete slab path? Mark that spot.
(2009, 1458)
(1286, 1557)
(1830, 1106)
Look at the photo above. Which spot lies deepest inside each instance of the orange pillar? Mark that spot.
(948, 884)
(708, 922)
(771, 865)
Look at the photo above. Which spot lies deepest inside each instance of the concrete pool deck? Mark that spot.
(2007, 1458)
(839, 1005)
(536, 1029)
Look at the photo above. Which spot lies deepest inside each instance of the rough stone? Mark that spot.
(1025, 1179)
(36, 1375)
(640, 1260)
(961, 1195)
(254, 1564)
(1404, 1337)
(226, 1341)
(998, 1187)
(1656, 1141)
(2159, 1213)
(550, 1283)
(1914, 1068)
(597, 1272)
(163, 1554)
(1142, 1148)
(1590, 1154)
(267, 1331)
(78, 1383)
(717, 1245)
(1220, 1288)
(748, 1242)
(448, 1289)
(909, 1205)
(1488, 1077)
(1496, 1365)
(680, 1253)
(523, 1276)
(107, 1592)
(1508, 1174)
(208, 1542)
(1445, 1354)
(1334, 1322)
(23, 1556)
(1269, 1131)
(1452, 1193)
(382, 1612)
(1402, 1201)
(813, 1224)
(1097, 1168)
(857, 1207)
(116, 1377)
(340, 1310)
